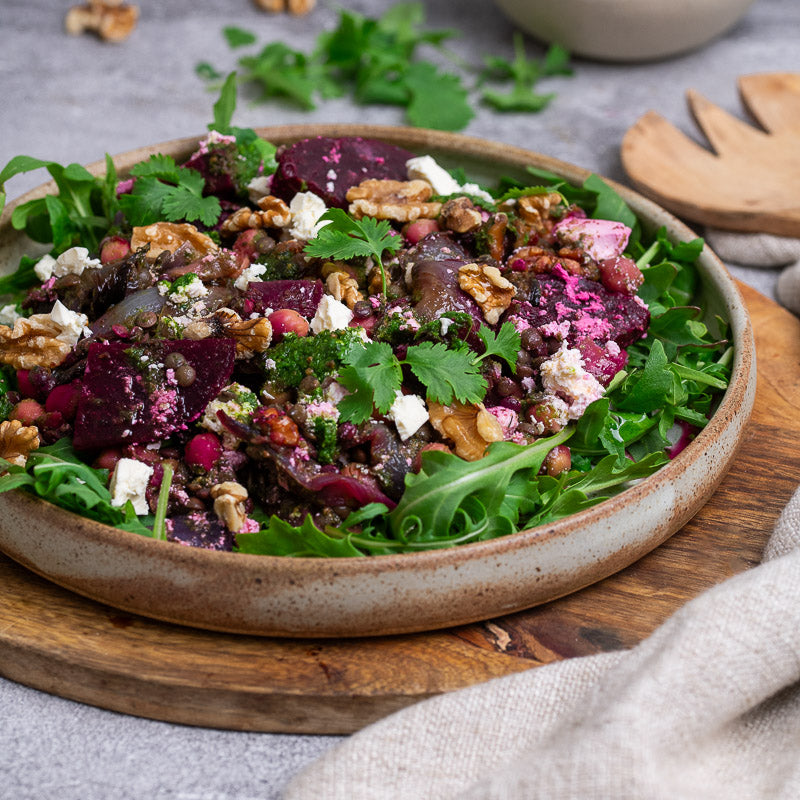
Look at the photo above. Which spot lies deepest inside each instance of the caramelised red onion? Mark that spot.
(124, 312)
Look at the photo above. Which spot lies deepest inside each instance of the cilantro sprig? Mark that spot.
(378, 61)
(344, 237)
(164, 191)
(373, 373)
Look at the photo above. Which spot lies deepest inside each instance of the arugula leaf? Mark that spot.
(279, 538)
(344, 237)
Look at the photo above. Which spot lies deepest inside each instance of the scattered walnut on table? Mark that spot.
(469, 426)
(33, 342)
(251, 335)
(112, 21)
(491, 291)
(170, 236)
(17, 441)
(297, 7)
(401, 201)
(272, 213)
(460, 215)
(229, 504)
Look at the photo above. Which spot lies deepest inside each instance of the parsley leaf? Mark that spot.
(165, 191)
(344, 237)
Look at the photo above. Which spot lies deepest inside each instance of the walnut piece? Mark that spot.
(401, 201)
(33, 342)
(272, 213)
(297, 7)
(535, 209)
(170, 236)
(111, 21)
(341, 285)
(460, 215)
(251, 335)
(470, 426)
(491, 291)
(229, 504)
(17, 440)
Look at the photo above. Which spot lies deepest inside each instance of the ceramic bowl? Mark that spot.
(396, 593)
(625, 30)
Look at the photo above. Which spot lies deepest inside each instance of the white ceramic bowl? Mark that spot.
(625, 30)
(397, 593)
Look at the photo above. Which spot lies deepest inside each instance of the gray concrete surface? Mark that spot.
(73, 99)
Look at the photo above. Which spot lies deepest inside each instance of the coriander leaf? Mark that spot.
(438, 99)
(158, 166)
(142, 205)
(182, 202)
(446, 373)
(238, 37)
(207, 71)
(344, 237)
(556, 61)
(505, 344)
(281, 72)
(376, 366)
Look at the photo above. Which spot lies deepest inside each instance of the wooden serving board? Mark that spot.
(61, 643)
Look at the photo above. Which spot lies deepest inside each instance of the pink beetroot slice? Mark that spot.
(329, 167)
(129, 396)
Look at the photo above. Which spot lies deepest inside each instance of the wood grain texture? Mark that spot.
(748, 181)
(63, 644)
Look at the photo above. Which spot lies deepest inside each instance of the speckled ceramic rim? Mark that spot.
(398, 593)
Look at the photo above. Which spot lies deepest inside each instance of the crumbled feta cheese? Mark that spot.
(185, 292)
(44, 268)
(236, 401)
(334, 392)
(444, 324)
(9, 315)
(425, 168)
(306, 209)
(331, 315)
(129, 482)
(250, 274)
(72, 324)
(409, 413)
(259, 187)
(564, 374)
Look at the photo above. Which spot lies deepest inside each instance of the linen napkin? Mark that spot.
(707, 707)
(766, 251)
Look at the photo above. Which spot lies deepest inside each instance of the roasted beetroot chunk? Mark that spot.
(301, 296)
(329, 167)
(200, 529)
(591, 310)
(130, 396)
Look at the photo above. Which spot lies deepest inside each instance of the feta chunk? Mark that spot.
(9, 315)
(259, 187)
(183, 291)
(425, 168)
(306, 209)
(72, 324)
(331, 315)
(564, 374)
(44, 268)
(236, 401)
(250, 274)
(409, 413)
(71, 262)
(129, 482)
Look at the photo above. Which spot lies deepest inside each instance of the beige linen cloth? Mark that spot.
(706, 708)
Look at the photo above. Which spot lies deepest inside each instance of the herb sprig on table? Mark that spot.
(377, 61)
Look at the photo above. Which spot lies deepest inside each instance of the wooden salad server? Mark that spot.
(751, 179)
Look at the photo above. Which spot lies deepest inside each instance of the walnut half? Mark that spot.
(17, 440)
(33, 342)
(111, 21)
(470, 427)
(401, 201)
(251, 335)
(491, 291)
(229, 504)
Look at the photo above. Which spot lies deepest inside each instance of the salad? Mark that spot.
(340, 348)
